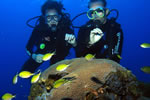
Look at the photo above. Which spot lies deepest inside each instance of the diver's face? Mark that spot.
(95, 6)
(52, 17)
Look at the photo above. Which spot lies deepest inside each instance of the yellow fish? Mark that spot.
(48, 56)
(25, 74)
(119, 56)
(15, 79)
(145, 45)
(59, 82)
(89, 57)
(8, 96)
(146, 69)
(62, 67)
(35, 78)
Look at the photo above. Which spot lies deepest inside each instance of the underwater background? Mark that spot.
(134, 17)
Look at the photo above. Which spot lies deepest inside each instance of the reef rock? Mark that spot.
(98, 79)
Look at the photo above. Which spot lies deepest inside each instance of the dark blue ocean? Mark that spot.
(134, 17)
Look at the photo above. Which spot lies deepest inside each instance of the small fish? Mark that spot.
(15, 79)
(25, 74)
(8, 96)
(96, 80)
(146, 69)
(70, 78)
(59, 82)
(48, 56)
(119, 56)
(35, 78)
(145, 45)
(62, 67)
(129, 71)
(89, 57)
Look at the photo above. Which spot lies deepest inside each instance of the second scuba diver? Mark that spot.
(100, 36)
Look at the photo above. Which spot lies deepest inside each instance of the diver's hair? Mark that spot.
(51, 4)
(91, 1)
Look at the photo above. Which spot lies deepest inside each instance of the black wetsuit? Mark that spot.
(54, 41)
(108, 47)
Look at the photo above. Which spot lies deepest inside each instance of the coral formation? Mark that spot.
(98, 79)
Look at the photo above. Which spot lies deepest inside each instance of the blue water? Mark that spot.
(14, 34)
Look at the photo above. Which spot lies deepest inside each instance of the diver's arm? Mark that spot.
(32, 42)
(82, 47)
(116, 47)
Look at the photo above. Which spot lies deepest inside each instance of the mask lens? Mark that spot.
(55, 17)
(52, 17)
(90, 14)
(100, 12)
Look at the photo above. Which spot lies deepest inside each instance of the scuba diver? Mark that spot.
(52, 34)
(100, 36)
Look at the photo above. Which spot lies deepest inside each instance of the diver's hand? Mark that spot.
(38, 58)
(70, 38)
(95, 35)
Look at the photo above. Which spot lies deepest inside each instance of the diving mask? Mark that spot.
(98, 12)
(52, 17)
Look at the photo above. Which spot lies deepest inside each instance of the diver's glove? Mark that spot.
(70, 38)
(37, 57)
(95, 35)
